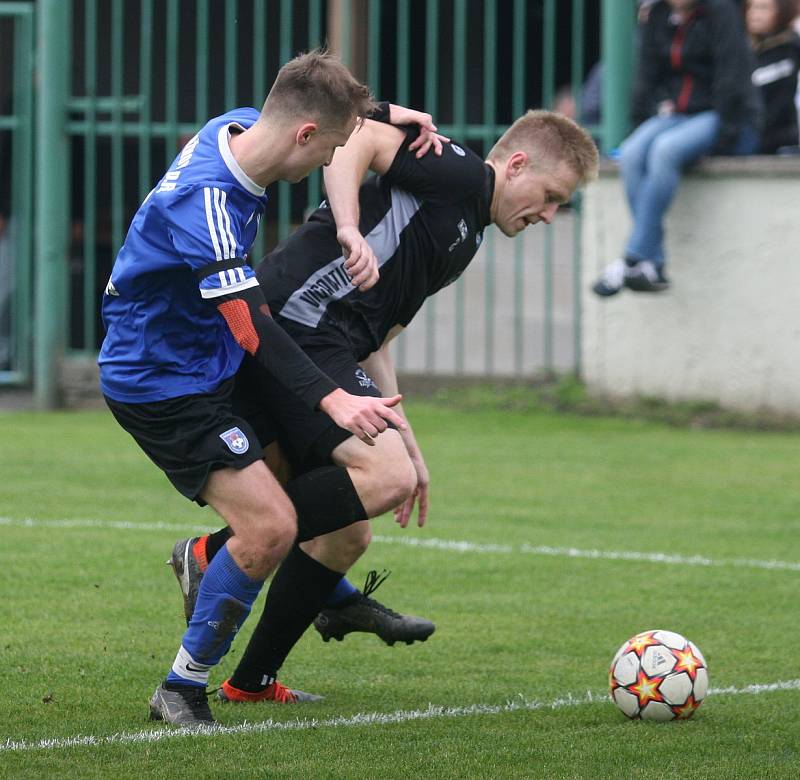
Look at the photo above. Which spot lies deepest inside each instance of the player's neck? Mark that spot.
(259, 153)
(498, 185)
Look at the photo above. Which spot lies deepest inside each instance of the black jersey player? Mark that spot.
(424, 219)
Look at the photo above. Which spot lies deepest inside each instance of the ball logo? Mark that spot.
(458, 150)
(236, 441)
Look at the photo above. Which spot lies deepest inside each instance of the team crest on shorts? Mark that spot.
(364, 379)
(236, 441)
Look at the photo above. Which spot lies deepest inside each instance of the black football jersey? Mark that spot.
(424, 219)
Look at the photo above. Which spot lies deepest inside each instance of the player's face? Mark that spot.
(320, 146)
(529, 196)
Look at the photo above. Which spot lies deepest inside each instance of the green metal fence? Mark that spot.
(122, 82)
(16, 204)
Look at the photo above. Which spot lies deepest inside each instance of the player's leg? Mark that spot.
(347, 609)
(314, 569)
(262, 520)
(382, 477)
(212, 456)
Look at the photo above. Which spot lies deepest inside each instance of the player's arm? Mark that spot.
(380, 367)
(370, 147)
(204, 228)
(400, 115)
(244, 309)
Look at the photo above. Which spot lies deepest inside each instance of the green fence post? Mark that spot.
(618, 25)
(22, 194)
(52, 196)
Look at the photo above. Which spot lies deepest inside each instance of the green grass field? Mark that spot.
(513, 682)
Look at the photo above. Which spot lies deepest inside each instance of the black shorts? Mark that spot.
(192, 435)
(307, 437)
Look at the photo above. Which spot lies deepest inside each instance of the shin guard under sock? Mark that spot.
(296, 594)
(223, 603)
(325, 500)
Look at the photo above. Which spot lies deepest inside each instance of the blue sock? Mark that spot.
(223, 603)
(344, 589)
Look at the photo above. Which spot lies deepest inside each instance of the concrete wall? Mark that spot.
(728, 330)
(502, 331)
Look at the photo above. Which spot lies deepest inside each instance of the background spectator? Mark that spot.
(693, 95)
(777, 49)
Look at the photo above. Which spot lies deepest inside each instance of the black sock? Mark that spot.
(296, 594)
(325, 500)
(216, 541)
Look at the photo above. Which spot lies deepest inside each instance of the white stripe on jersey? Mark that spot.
(231, 240)
(223, 237)
(230, 288)
(231, 277)
(210, 222)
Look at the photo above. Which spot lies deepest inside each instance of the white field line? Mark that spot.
(432, 711)
(447, 545)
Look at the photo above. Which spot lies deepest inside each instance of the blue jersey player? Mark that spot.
(181, 310)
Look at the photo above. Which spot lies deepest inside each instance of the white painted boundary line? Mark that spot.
(440, 544)
(359, 719)
(122, 525)
(573, 552)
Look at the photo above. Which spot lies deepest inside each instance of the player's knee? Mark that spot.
(399, 482)
(273, 532)
(354, 542)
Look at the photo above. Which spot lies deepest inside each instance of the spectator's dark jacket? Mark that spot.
(775, 76)
(704, 63)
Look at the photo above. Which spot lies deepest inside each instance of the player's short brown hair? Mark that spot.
(549, 138)
(319, 86)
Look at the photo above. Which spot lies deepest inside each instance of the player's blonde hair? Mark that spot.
(318, 86)
(549, 138)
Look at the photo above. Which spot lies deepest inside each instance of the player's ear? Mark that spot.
(516, 164)
(305, 132)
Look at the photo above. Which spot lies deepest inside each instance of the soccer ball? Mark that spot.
(658, 675)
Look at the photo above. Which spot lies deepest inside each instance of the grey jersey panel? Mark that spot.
(307, 304)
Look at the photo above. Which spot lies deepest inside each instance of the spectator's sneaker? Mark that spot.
(359, 612)
(181, 705)
(645, 276)
(273, 692)
(188, 562)
(612, 279)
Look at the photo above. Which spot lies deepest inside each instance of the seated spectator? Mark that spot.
(777, 49)
(693, 82)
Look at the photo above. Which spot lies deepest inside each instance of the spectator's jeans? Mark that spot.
(652, 159)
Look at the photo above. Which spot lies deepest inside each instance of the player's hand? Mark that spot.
(364, 416)
(402, 514)
(425, 140)
(359, 259)
(428, 137)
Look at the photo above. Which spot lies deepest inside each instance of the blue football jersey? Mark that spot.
(164, 335)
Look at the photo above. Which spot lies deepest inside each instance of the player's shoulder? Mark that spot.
(455, 174)
(461, 171)
(192, 203)
(462, 152)
(244, 117)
